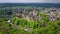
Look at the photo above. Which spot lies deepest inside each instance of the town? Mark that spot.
(30, 19)
(30, 12)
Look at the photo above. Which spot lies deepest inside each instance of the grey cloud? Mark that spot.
(29, 1)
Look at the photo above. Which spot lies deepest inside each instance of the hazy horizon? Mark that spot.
(29, 1)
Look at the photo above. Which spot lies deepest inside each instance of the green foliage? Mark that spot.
(42, 26)
(43, 15)
(38, 26)
(4, 26)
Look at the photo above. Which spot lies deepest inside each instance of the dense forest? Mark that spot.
(56, 5)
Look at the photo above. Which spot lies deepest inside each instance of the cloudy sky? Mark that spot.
(29, 1)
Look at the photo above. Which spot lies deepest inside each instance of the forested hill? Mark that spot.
(57, 5)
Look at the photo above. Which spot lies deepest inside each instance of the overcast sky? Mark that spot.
(29, 1)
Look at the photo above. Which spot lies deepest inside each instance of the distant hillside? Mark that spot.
(57, 5)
